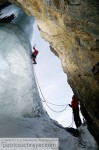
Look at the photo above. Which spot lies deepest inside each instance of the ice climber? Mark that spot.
(34, 54)
(75, 107)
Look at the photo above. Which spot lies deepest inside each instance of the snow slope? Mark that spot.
(43, 127)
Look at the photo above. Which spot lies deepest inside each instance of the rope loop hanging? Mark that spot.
(44, 100)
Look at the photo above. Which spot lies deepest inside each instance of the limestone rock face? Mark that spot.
(72, 29)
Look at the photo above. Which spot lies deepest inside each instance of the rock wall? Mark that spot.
(71, 27)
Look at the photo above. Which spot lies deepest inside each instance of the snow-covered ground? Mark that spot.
(43, 127)
(21, 110)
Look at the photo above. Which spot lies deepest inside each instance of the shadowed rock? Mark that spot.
(4, 5)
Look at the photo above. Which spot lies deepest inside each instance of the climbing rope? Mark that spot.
(56, 104)
(44, 100)
(42, 93)
(81, 142)
(54, 110)
(71, 125)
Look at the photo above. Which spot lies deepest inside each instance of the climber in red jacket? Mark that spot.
(75, 106)
(34, 54)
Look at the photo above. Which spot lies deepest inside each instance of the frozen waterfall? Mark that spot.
(19, 95)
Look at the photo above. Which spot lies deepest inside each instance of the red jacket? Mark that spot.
(35, 52)
(74, 103)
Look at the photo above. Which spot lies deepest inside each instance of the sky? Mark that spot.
(52, 80)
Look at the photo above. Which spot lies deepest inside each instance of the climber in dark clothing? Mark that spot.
(34, 54)
(75, 106)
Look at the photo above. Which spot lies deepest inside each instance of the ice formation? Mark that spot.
(18, 89)
(21, 110)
